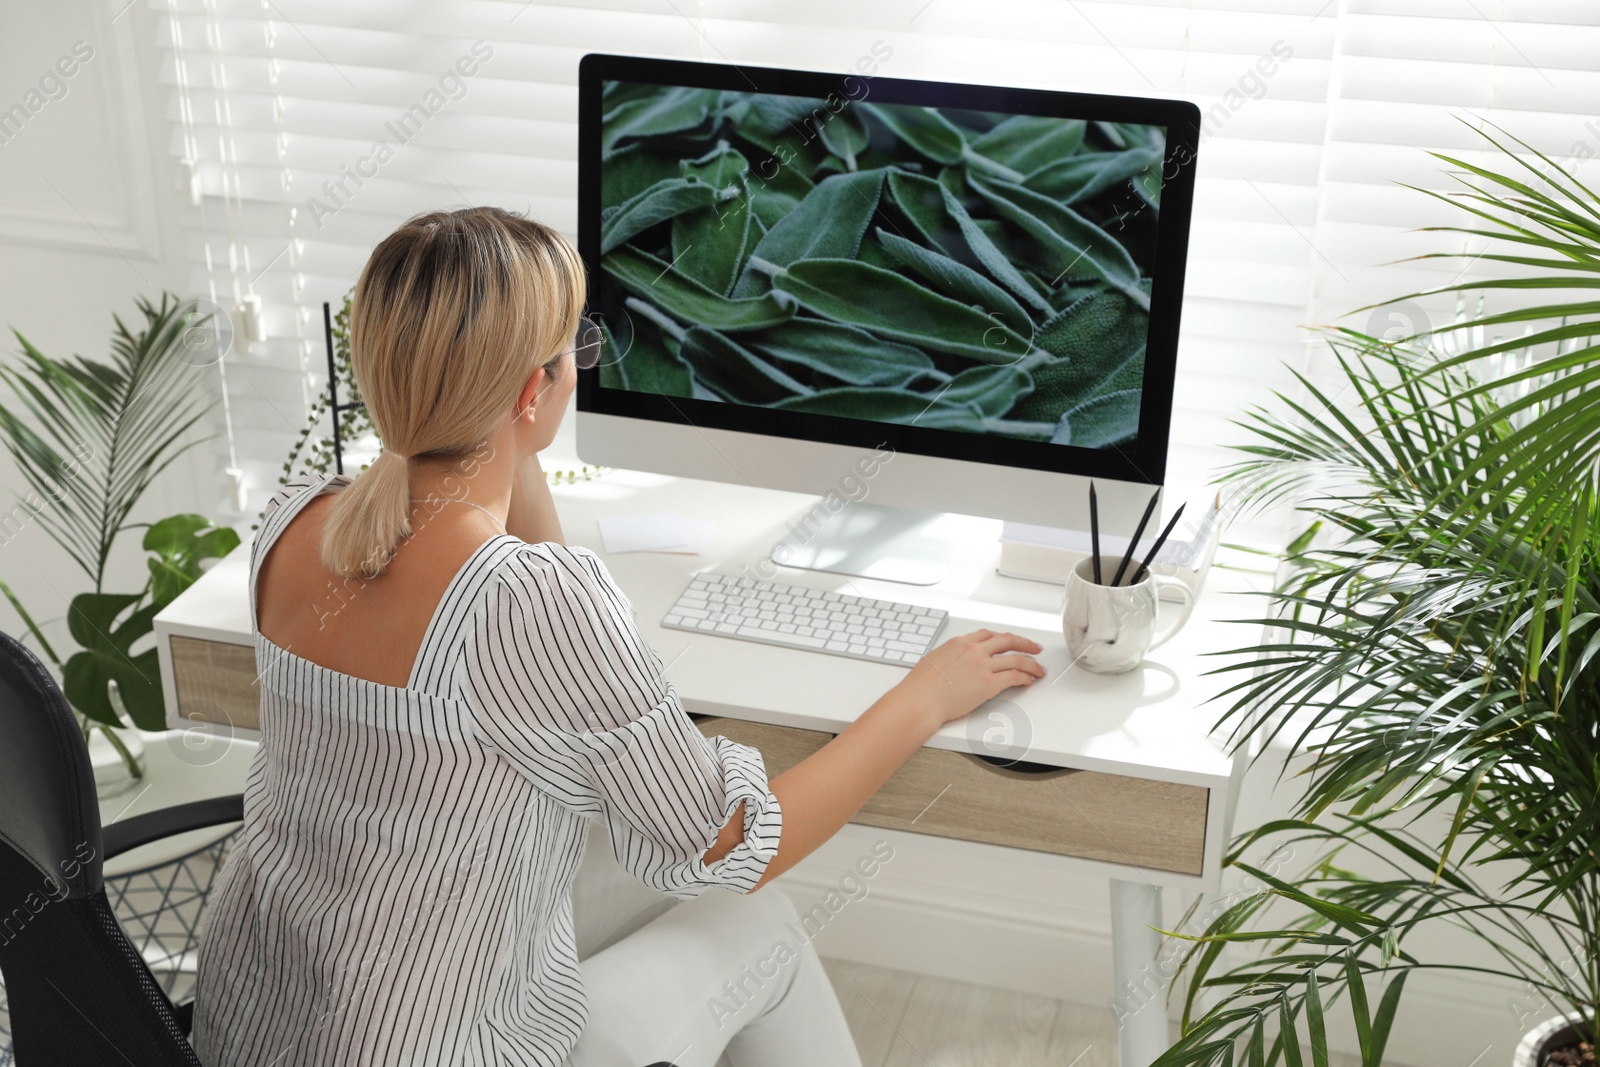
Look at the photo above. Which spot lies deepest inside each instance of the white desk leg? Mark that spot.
(1141, 989)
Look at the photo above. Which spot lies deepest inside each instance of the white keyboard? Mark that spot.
(795, 616)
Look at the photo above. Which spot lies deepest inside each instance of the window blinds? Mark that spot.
(311, 129)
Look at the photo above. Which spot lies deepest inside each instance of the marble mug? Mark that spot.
(1110, 628)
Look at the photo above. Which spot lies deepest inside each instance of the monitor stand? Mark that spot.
(869, 541)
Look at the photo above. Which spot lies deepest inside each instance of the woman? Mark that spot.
(454, 702)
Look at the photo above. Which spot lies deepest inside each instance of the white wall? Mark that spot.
(89, 220)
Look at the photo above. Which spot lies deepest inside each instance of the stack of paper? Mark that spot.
(661, 531)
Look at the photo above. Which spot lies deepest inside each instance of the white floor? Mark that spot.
(902, 1019)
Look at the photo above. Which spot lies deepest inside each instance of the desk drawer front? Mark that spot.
(215, 682)
(1087, 814)
(781, 747)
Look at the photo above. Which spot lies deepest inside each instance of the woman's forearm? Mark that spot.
(819, 794)
(532, 515)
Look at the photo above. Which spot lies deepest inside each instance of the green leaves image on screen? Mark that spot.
(939, 267)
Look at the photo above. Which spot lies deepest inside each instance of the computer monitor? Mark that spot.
(793, 268)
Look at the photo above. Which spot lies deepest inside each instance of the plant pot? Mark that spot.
(1537, 1044)
(111, 774)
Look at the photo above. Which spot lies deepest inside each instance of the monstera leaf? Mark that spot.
(108, 625)
(180, 543)
(107, 655)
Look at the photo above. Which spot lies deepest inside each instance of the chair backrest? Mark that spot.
(48, 812)
(77, 991)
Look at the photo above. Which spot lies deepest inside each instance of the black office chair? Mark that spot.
(79, 993)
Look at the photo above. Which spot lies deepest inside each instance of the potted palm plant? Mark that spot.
(89, 437)
(1430, 659)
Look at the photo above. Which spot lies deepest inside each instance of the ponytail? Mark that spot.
(453, 313)
(369, 519)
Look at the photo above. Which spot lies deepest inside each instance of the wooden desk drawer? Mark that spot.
(1089, 814)
(215, 682)
(781, 747)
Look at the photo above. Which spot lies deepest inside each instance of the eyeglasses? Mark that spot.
(587, 343)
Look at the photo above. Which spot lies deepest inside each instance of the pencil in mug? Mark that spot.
(1094, 532)
(1149, 509)
(1171, 523)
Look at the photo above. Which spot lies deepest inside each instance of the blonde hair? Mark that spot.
(452, 314)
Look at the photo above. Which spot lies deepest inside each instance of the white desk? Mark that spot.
(1123, 780)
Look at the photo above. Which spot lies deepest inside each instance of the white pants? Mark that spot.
(724, 980)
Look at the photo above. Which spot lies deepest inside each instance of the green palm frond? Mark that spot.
(89, 436)
(1407, 653)
(1346, 935)
(1435, 649)
(1540, 468)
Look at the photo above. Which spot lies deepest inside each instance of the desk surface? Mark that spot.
(1149, 723)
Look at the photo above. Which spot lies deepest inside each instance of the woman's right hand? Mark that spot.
(949, 681)
(824, 791)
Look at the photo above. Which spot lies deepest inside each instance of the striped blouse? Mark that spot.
(401, 891)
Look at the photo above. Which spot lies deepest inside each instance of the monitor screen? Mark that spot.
(857, 257)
